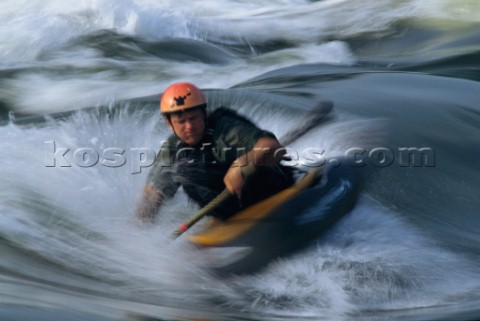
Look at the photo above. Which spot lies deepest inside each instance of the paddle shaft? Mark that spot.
(213, 204)
(314, 117)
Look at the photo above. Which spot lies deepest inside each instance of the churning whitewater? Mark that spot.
(79, 91)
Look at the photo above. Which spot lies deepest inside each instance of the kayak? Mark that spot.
(280, 225)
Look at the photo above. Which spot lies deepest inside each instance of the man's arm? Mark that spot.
(159, 185)
(149, 204)
(267, 152)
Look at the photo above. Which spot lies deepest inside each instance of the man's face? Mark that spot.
(189, 126)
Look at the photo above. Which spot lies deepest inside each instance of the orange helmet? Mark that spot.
(180, 97)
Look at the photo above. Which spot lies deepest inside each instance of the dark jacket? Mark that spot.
(200, 169)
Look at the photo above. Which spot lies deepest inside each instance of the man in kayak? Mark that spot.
(208, 152)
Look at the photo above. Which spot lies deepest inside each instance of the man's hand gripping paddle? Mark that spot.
(317, 115)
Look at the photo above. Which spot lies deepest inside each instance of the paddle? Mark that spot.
(313, 118)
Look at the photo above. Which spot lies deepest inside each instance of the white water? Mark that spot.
(81, 218)
(370, 261)
(40, 34)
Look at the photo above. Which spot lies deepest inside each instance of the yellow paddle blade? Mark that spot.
(219, 234)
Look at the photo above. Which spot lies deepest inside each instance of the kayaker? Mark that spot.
(210, 151)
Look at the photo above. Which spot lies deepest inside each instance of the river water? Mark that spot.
(81, 80)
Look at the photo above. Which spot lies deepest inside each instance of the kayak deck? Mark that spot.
(280, 225)
(222, 233)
